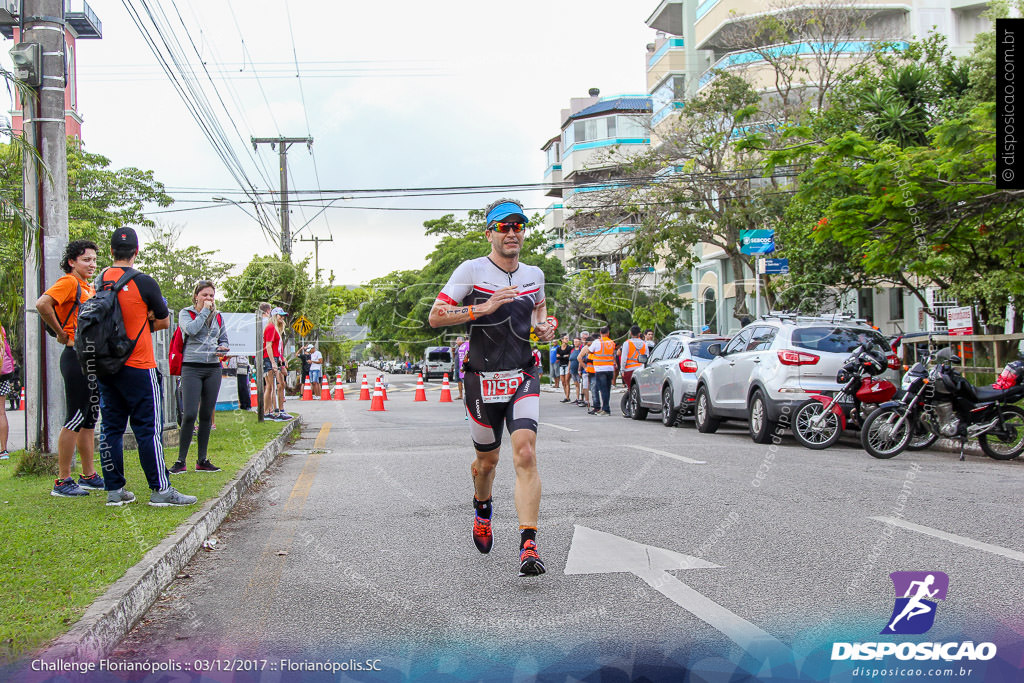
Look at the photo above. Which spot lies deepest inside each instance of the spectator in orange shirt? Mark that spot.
(134, 392)
(58, 307)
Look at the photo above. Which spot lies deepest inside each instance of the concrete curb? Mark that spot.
(112, 615)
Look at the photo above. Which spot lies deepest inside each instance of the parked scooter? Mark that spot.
(819, 421)
(950, 406)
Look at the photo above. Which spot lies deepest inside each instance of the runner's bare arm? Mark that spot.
(444, 314)
(541, 327)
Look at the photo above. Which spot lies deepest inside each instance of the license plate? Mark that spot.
(500, 386)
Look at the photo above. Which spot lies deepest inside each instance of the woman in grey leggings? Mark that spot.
(205, 339)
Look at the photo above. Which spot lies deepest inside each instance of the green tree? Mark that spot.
(274, 279)
(177, 269)
(911, 199)
(99, 200)
(399, 302)
(715, 191)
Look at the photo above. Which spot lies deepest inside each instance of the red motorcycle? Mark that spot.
(820, 420)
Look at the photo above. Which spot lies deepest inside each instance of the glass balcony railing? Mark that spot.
(745, 57)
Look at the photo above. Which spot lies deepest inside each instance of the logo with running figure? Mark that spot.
(916, 593)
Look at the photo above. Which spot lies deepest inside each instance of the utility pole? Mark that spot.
(282, 144)
(316, 253)
(46, 201)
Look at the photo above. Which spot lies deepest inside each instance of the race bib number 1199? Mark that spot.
(500, 386)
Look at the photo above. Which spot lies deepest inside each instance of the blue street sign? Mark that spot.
(757, 241)
(776, 266)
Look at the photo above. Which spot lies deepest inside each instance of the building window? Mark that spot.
(72, 76)
(896, 303)
(866, 304)
(710, 311)
(606, 127)
(672, 90)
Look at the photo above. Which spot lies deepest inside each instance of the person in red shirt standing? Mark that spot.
(58, 307)
(134, 392)
(273, 367)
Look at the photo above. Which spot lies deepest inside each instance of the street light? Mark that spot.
(273, 236)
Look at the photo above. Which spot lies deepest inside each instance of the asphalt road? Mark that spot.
(357, 547)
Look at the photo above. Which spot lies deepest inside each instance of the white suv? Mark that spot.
(774, 364)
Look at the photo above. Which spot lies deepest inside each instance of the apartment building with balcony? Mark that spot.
(695, 39)
(81, 23)
(583, 163)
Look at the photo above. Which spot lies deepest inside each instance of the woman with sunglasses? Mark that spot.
(501, 301)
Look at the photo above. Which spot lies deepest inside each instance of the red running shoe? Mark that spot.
(529, 560)
(482, 534)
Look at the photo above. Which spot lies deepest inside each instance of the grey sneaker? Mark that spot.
(169, 497)
(120, 497)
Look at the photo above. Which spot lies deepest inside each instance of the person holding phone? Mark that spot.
(206, 339)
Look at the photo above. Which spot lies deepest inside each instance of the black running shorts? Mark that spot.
(81, 394)
(486, 420)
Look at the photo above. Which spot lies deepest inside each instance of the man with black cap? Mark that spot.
(134, 393)
(501, 300)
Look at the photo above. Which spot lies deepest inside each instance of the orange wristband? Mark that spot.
(471, 316)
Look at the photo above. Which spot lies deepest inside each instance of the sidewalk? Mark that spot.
(16, 437)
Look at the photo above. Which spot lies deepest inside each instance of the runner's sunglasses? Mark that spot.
(509, 227)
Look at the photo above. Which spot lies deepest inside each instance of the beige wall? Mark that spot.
(728, 10)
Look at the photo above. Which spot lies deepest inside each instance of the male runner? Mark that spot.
(501, 299)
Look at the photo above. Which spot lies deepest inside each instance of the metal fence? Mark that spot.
(981, 355)
(161, 350)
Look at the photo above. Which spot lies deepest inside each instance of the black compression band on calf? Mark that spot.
(527, 534)
(483, 508)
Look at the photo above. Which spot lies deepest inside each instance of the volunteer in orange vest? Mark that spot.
(586, 368)
(58, 307)
(631, 352)
(602, 354)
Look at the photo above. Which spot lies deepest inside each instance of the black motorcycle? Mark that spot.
(945, 403)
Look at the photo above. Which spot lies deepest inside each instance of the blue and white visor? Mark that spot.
(505, 210)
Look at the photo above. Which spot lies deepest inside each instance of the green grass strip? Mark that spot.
(60, 554)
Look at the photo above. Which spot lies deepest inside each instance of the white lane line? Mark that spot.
(953, 538)
(564, 429)
(680, 458)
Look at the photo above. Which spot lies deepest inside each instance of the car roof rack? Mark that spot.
(794, 317)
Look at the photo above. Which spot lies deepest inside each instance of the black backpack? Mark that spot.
(101, 341)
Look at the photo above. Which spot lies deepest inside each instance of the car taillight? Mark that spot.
(892, 361)
(797, 358)
(687, 366)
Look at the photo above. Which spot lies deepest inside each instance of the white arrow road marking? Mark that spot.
(953, 538)
(564, 429)
(680, 458)
(597, 552)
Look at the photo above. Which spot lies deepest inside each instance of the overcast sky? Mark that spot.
(402, 93)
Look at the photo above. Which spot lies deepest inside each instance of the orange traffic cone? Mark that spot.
(254, 398)
(307, 390)
(377, 403)
(339, 391)
(364, 391)
(421, 394)
(325, 391)
(383, 389)
(21, 405)
(446, 390)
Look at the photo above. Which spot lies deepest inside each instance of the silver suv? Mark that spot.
(774, 364)
(668, 381)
